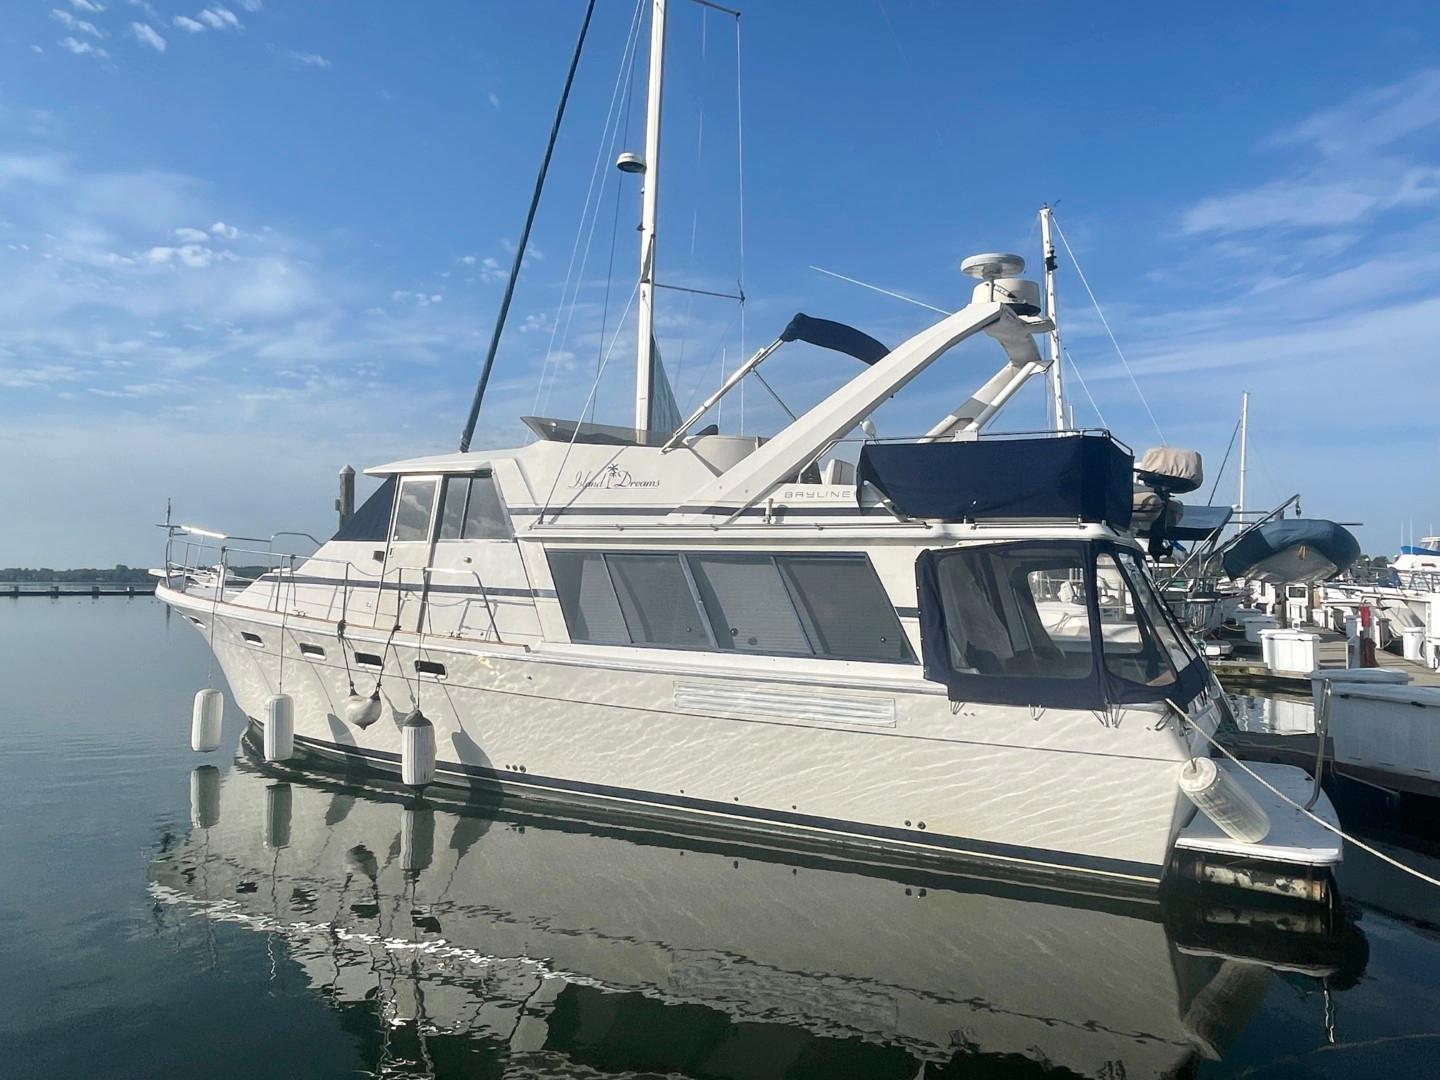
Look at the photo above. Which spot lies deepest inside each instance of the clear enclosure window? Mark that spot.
(656, 601)
(412, 510)
(1133, 649)
(1017, 611)
(1179, 647)
(843, 607)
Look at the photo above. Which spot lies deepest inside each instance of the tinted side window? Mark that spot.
(471, 509)
(485, 517)
(592, 612)
(748, 606)
(412, 512)
(656, 600)
(844, 607)
(452, 506)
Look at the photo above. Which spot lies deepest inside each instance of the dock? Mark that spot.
(17, 590)
(1249, 672)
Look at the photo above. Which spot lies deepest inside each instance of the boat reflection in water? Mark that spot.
(461, 938)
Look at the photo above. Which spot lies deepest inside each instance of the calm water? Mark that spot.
(158, 921)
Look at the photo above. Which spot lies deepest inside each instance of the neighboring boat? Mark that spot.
(960, 654)
(532, 945)
(1292, 551)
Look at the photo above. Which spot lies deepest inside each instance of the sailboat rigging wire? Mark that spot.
(1106, 323)
(1224, 461)
(1086, 387)
(594, 387)
(1308, 813)
(877, 288)
(624, 77)
(525, 235)
(740, 197)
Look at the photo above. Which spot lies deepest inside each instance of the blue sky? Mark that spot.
(242, 244)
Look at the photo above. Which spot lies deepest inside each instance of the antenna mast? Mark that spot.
(1057, 381)
(644, 358)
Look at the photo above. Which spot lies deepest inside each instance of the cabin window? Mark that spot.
(412, 511)
(1017, 610)
(592, 611)
(749, 608)
(432, 668)
(471, 509)
(844, 607)
(800, 605)
(306, 649)
(656, 601)
(251, 639)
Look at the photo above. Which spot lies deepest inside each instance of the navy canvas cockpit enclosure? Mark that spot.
(1067, 478)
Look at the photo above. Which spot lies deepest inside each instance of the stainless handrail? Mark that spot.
(1322, 731)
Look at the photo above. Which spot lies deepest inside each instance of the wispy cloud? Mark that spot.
(79, 26)
(184, 22)
(299, 59)
(88, 6)
(219, 18)
(147, 35)
(82, 48)
(494, 99)
(1352, 162)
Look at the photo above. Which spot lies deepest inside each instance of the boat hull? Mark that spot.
(858, 766)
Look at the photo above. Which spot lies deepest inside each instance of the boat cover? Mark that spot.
(1171, 469)
(836, 336)
(1070, 477)
(1292, 550)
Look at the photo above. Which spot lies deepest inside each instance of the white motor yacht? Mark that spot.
(949, 648)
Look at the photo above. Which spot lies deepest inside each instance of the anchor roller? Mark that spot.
(205, 720)
(279, 728)
(417, 751)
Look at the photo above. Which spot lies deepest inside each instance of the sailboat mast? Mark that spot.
(644, 359)
(1057, 382)
(1244, 441)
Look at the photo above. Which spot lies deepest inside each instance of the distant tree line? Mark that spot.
(120, 574)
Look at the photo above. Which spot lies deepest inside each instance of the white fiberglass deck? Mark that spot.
(1293, 838)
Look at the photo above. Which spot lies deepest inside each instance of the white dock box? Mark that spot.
(1289, 650)
(1413, 643)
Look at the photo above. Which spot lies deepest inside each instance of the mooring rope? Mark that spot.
(1308, 813)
